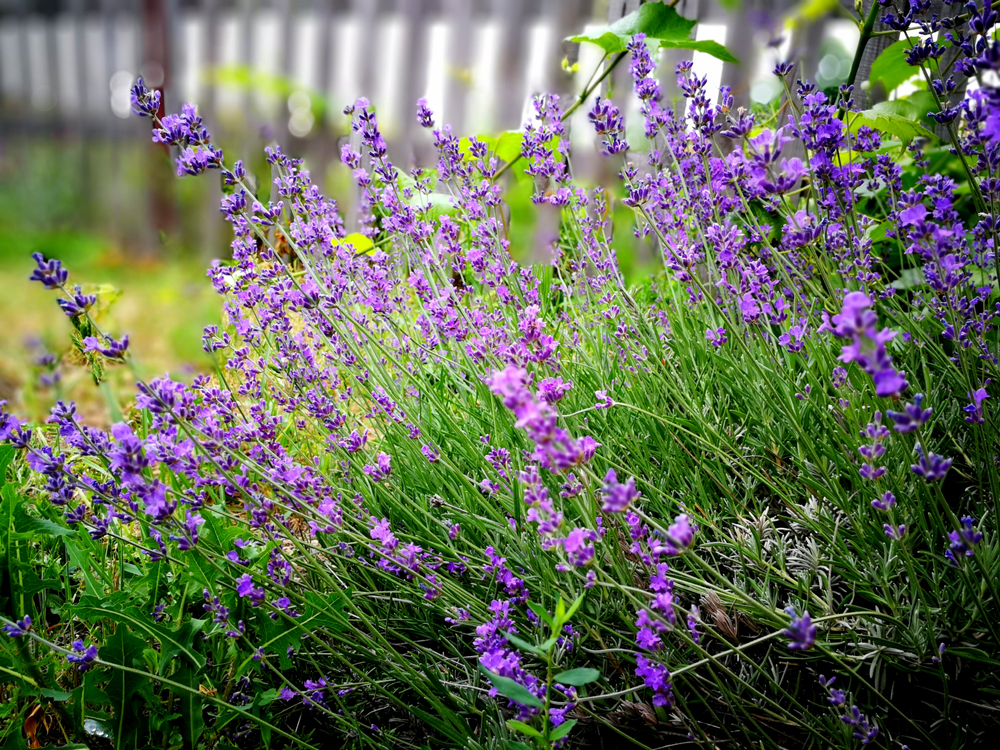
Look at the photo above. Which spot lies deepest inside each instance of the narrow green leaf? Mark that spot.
(574, 607)
(515, 691)
(520, 726)
(578, 676)
(542, 613)
(523, 644)
(562, 730)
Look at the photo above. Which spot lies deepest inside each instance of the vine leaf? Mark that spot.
(659, 23)
(890, 67)
(897, 118)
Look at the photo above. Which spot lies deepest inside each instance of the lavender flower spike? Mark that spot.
(801, 630)
(19, 628)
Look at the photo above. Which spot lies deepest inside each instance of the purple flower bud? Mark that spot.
(19, 628)
(800, 630)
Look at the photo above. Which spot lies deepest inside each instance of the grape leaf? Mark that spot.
(709, 47)
(891, 69)
(658, 22)
(896, 118)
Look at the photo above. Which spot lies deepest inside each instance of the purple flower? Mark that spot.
(145, 103)
(656, 677)
(963, 540)
(608, 121)
(974, 411)
(424, 115)
(78, 305)
(353, 442)
(19, 628)
(853, 717)
(603, 400)
(244, 585)
(111, 349)
(681, 531)
(885, 502)
(857, 322)
(931, 466)
(83, 657)
(433, 455)
(50, 273)
(381, 469)
(617, 497)
(552, 390)
(716, 337)
(912, 416)
(894, 532)
(800, 631)
(692, 624)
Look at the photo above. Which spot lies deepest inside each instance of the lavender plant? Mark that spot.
(435, 496)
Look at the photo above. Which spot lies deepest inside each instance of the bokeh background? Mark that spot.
(79, 179)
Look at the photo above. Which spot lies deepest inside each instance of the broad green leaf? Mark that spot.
(359, 242)
(123, 649)
(891, 69)
(578, 676)
(508, 145)
(520, 726)
(55, 695)
(562, 730)
(924, 103)
(172, 642)
(82, 560)
(655, 20)
(897, 118)
(515, 691)
(515, 745)
(190, 706)
(437, 204)
(6, 456)
(35, 527)
(707, 46)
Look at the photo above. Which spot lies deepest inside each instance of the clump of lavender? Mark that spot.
(411, 458)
